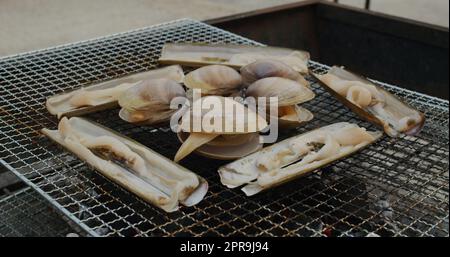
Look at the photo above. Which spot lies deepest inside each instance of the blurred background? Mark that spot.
(34, 24)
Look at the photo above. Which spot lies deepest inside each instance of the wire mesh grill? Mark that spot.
(397, 187)
(26, 213)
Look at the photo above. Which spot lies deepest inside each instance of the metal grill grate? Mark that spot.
(397, 187)
(26, 213)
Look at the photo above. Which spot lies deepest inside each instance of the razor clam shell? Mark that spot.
(63, 108)
(201, 54)
(250, 172)
(131, 181)
(226, 152)
(367, 113)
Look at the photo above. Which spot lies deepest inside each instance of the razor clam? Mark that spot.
(149, 101)
(236, 56)
(135, 167)
(269, 68)
(214, 80)
(225, 117)
(372, 102)
(104, 95)
(295, 156)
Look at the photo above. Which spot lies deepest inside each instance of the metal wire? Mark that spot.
(397, 187)
(26, 213)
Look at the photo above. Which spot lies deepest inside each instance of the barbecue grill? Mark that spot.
(396, 187)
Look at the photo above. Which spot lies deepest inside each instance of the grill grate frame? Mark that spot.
(396, 187)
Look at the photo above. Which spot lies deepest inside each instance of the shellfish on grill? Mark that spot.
(269, 68)
(133, 166)
(372, 102)
(149, 102)
(289, 94)
(214, 80)
(220, 128)
(104, 95)
(295, 156)
(236, 56)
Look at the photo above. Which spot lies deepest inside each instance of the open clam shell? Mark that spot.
(382, 108)
(133, 166)
(213, 116)
(294, 117)
(198, 54)
(222, 149)
(104, 95)
(295, 157)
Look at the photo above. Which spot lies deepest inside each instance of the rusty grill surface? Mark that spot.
(396, 187)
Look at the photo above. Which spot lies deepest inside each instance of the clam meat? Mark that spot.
(104, 95)
(133, 166)
(295, 156)
(372, 102)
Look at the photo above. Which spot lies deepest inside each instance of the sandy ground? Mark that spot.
(33, 24)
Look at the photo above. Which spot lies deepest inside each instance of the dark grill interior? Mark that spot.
(396, 187)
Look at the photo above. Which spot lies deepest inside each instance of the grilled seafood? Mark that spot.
(372, 102)
(130, 164)
(227, 117)
(214, 80)
(236, 56)
(104, 95)
(295, 157)
(149, 101)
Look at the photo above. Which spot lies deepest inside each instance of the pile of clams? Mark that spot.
(225, 90)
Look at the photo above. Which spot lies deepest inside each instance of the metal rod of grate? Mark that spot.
(397, 187)
(26, 213)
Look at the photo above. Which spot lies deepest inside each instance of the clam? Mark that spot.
(372, 102)
(149, 101)
(220, 128)
(133, 166)
(295, 157)
(214, 80)
(289, 93)
(236, 56)
(269, 68)
(104, 95)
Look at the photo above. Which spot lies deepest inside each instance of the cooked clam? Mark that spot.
(149, 101)
(296, 156)
(212, 126)
(269, 68)
(372, 102)
(140, 170)
(104, 95)
(198, 54)
(289, 94)
(287, 91)
(214, 80)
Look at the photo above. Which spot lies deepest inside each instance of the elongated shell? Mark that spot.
(295, 157)
(135, 167)
(236, 56)
(287, 91)
(269, 68)
(104, 95)
(384, 109)
(226, 148)
(214, 80)
(149, 101)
